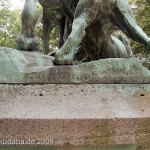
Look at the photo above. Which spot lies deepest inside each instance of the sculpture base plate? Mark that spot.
(96, 114)
(35, 68)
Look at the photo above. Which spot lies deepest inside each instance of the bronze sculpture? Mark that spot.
(28, 41)
(93, 26)
(55, 13)
(58, 13)
(91, 36)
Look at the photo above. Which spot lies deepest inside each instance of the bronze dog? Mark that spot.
(93, 25)
(57, 13)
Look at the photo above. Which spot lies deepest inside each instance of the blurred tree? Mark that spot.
(141, 10)
(142, 13)
(10, 24)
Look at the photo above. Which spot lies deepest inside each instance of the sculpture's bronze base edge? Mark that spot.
(35, 68)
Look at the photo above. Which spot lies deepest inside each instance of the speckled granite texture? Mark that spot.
(96, 114)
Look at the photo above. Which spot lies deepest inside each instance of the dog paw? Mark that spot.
(63, 59)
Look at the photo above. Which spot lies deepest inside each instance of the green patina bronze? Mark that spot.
(93, 26)
(86, 29)
(55, 13)
(28, 41)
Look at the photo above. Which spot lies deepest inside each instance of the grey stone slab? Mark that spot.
(33, 67)
(96, 114)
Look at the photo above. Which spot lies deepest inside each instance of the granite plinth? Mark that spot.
(97, 114)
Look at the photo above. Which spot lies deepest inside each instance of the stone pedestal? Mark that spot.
(78, 115)
(81, 107)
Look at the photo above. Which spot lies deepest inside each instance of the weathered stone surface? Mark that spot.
(27, 67)
(76, 114)
(15, 65)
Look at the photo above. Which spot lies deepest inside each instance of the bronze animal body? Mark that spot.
(27, 40)
(93, 25)
(57, 13)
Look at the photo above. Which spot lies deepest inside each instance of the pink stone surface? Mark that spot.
(76, 114)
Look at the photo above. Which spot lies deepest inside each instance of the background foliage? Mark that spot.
(141, 10)
(10, 24)
(10, 27)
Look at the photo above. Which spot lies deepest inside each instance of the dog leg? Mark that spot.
(65, 55)
(28, 41)
(123, 18)
(47, 28)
